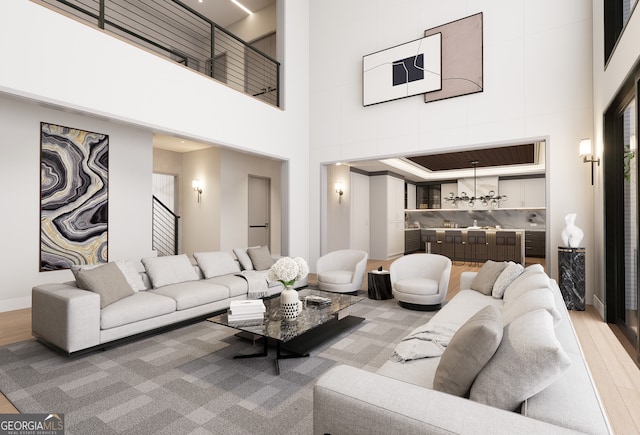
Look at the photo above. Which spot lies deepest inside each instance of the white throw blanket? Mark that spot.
(257, 282)
(426, 342)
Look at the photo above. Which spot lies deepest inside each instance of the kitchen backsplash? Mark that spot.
(527, 219)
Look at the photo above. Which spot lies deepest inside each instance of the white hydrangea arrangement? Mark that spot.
(288, 270)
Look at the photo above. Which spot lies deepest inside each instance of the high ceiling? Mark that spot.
(224, 12)
(515, 159)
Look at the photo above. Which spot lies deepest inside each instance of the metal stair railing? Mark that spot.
(174, 30)
(164, 231)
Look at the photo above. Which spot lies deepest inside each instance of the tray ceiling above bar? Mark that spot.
(499, 156)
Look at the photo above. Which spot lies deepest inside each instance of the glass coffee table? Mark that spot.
(295, 338)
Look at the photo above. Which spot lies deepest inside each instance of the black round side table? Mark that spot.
(379, 285)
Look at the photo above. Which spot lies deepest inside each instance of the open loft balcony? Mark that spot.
(186, 33)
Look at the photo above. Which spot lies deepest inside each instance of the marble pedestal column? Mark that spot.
(571, 268)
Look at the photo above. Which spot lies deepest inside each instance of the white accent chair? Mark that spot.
(342, 271)
(420, 281)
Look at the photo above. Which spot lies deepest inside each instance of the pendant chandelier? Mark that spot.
(490, 198)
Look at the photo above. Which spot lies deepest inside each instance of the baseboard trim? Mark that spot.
(15, 304)
(599, 306)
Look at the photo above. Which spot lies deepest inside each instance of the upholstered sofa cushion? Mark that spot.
(106, 280)
(529, 359)
(260, 257)
(237, 285)
(487, 276)
(336, 276)
(541, 298)
(140, 306)
(468, 351)
(168, 270)
(418, 286)
(508, 275)
(216, 263)
(192, 294)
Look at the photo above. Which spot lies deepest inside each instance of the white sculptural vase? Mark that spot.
(290, 305)
(571, 234)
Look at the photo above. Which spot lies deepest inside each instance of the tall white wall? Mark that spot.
(537, 84)
(129, 227)
(91, 75)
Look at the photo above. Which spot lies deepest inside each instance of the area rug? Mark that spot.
(186, 381)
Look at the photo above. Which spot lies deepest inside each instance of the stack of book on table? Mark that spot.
(246, 311)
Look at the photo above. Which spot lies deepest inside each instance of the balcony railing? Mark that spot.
(164, 237)
(174, 30)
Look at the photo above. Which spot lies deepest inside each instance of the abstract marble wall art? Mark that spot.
(402, 71)
(74, 169)
(461, 58)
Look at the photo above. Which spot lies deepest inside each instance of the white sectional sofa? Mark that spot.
(533, 378)
(127, 299)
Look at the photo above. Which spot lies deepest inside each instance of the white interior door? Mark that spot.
(259, 211)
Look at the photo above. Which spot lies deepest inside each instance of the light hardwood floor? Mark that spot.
(616, 375)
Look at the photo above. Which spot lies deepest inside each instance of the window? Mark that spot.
(616, 16)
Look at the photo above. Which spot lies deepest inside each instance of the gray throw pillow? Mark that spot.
(469, 350)
(108, 281)
(260, 258)
(487, 276)
(528, 360)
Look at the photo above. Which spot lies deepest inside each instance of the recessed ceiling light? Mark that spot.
(241, 6)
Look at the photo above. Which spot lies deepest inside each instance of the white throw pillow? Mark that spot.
(169, 270)
(243, 258)
(529, 359)
(541, 298)
(132, 275)
(510, 273)
(528, 280)
(216, 263)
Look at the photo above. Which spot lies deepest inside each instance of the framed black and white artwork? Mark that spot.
(398, 72)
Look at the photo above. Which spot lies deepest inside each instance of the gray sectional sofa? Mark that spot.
(529, 377)
(123, 299)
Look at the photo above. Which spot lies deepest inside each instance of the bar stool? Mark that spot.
(454, 242)
(505, 245)
(430, 238)
(478, 246)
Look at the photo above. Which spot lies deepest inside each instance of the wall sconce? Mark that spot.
(197, 187)
(586, 152)
(340, 191)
